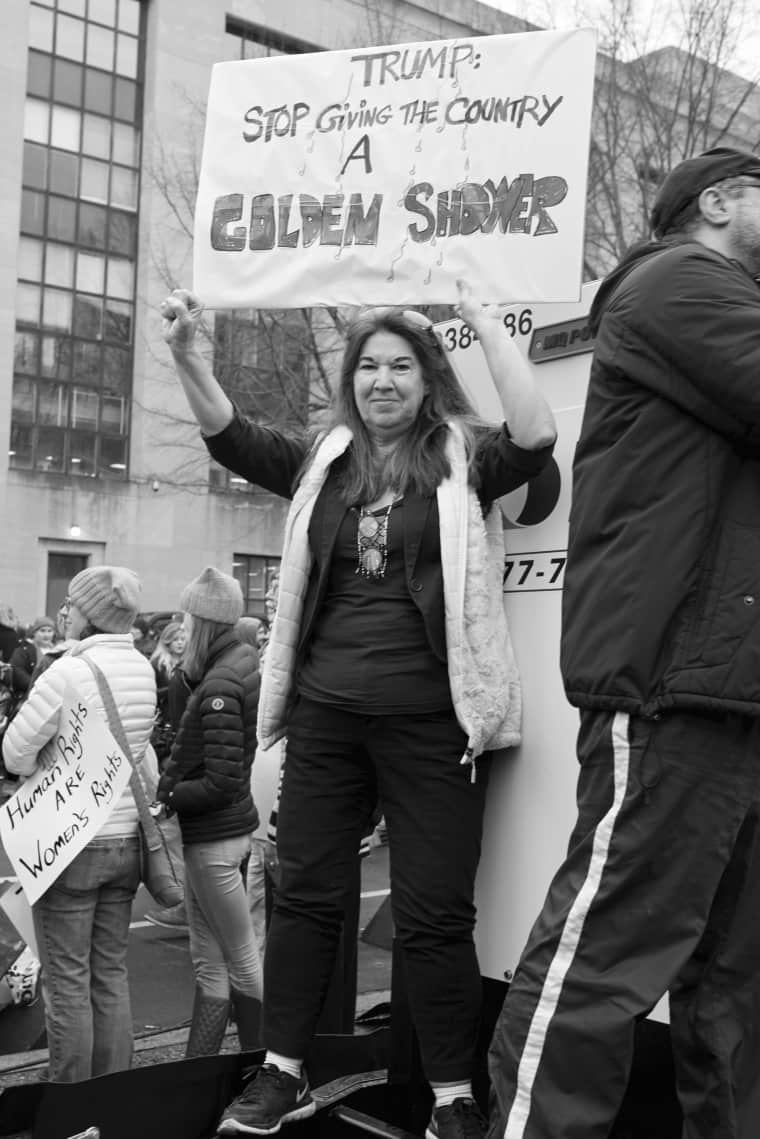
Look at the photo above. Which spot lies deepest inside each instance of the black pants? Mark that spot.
(660, 892)
(336, 764)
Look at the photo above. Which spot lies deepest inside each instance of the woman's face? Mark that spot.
(75, 623)
(44, 636)
(388, 385)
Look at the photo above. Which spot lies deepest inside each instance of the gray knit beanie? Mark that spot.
(108, 596)
(214, 596)
(40, 623)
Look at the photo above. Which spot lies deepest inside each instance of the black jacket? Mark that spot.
(207, 778)
(9, 639)
(273, 460)
(24, 660)
(661, 605)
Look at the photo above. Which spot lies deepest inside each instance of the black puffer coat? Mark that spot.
(661, 605)
(207, 778)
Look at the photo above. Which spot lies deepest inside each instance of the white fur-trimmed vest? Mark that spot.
(485, 684)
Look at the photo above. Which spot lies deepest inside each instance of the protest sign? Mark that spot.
(380, 175)
(59, 809)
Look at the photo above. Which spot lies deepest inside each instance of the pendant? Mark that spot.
(371, 561)
(368, 525)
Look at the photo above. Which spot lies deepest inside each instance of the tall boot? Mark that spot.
(247, 1013)
(209, 1023)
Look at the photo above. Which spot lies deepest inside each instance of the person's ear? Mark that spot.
(715, 205)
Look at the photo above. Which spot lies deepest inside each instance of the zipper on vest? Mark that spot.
(468, 760)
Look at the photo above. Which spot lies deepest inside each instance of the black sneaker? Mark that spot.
(271, 1098)
(461, 1119)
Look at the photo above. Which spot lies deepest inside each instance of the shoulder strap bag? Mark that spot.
(161, 872)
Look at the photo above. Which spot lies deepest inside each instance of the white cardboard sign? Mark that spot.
(59, 809)
(380, 175)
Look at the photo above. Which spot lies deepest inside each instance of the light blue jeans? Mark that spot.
(222, 942)
(82, 928)
(256, 889)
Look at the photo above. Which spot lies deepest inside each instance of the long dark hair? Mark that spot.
(419, 461)
(201, 634)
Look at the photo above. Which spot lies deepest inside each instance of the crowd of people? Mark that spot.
(389, 674)
(183, 751)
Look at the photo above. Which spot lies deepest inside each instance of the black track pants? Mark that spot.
(660, 892)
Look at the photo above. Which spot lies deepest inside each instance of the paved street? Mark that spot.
(161, 972)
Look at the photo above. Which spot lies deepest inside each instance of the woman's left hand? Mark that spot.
(530, 419)
(472, 310)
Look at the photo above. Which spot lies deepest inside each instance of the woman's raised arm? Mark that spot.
(209, 404)
(528, 415)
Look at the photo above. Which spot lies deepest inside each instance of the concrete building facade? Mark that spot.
(101, 134)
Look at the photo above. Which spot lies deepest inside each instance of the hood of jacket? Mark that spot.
(631, 260)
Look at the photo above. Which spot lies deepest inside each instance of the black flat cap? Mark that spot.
(687, 181)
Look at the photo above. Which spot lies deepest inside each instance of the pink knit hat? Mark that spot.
(214, 596)
(108, 596)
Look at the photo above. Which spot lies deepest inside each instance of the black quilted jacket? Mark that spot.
(207, 779)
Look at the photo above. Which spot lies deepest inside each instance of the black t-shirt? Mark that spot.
(369, 651)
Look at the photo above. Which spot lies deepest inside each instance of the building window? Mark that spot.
(252, 41)
(77, 258)
(257, 576)
(262, 361)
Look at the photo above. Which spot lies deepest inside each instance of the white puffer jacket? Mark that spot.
(485, 683)
(132, 681)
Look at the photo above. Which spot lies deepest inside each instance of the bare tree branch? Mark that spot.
(654, 107)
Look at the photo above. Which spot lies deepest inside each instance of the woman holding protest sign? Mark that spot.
(82, 920)
(389, 666)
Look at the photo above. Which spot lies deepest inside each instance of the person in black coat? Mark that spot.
(9, 634)
(27, 655)
(660, 889)
(207, 780)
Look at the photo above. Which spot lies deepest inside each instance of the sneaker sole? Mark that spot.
(234, 1127)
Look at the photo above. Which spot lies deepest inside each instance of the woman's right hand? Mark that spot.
(271, 861)
(180, 311)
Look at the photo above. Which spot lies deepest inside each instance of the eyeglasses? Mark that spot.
(747, 180)
(735, 180)
(65, 606)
